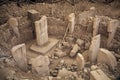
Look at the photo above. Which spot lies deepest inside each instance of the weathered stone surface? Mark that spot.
(74, 50)
(19, 54)
(33, 15)
(80, 42)
(94, 49)
(96, 22)
(60, 53)
(40, 65)
(41, 31)
(94, 67)
(45, 48)
(86, 17)
(64, 72)
(13, 23)
(98, 75)
(80, 61)
(107, 57)
(71, 19)
(112, 26)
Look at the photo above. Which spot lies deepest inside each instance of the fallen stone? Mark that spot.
(19, 55)
(107, 57)
(60, 53)
(66, 44)
(80, 42)
(64, 72)
(74, 50)
(98, 75)
(33, 15)
(40, 65)
(94, 67)
(80, 61)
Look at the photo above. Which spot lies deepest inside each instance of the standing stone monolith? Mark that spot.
(19, 55)
(96, 22)
(94, 49)
(80, 61)
(41, 31)
(43, 44)
(13, 23)
(71, 19)
(112, 26)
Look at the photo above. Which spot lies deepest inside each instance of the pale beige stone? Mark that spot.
(80, 61)
(13, 23)
(40, 65)
(19, 55)
(96, 22)
(105, 56)
(33, 15)
(94, 49)
(71, 19)
(112, 26)
(98, 75)
(74, 50)
(41, 31)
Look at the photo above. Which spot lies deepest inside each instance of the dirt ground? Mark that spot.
(57, 25)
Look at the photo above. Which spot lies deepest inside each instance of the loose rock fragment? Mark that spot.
(80, 42)
(40, 65)
(60, 53)
(74, 50)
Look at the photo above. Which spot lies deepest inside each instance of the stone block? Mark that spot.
(106, 57)
(40, 65)
(46, 47)
(33, 15)
(74, 50)
(19, 55)
(98, 75)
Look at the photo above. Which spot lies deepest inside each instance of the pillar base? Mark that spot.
(45, 48)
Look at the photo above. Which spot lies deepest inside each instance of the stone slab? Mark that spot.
(98, 75)
(33, 15)
(45, 48)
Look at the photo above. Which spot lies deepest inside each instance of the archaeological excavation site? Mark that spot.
(59, 39)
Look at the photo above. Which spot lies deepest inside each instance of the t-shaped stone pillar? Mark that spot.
(43, 44)
(71, 19)
(112, 26)
(41, 31)
(94, 49)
